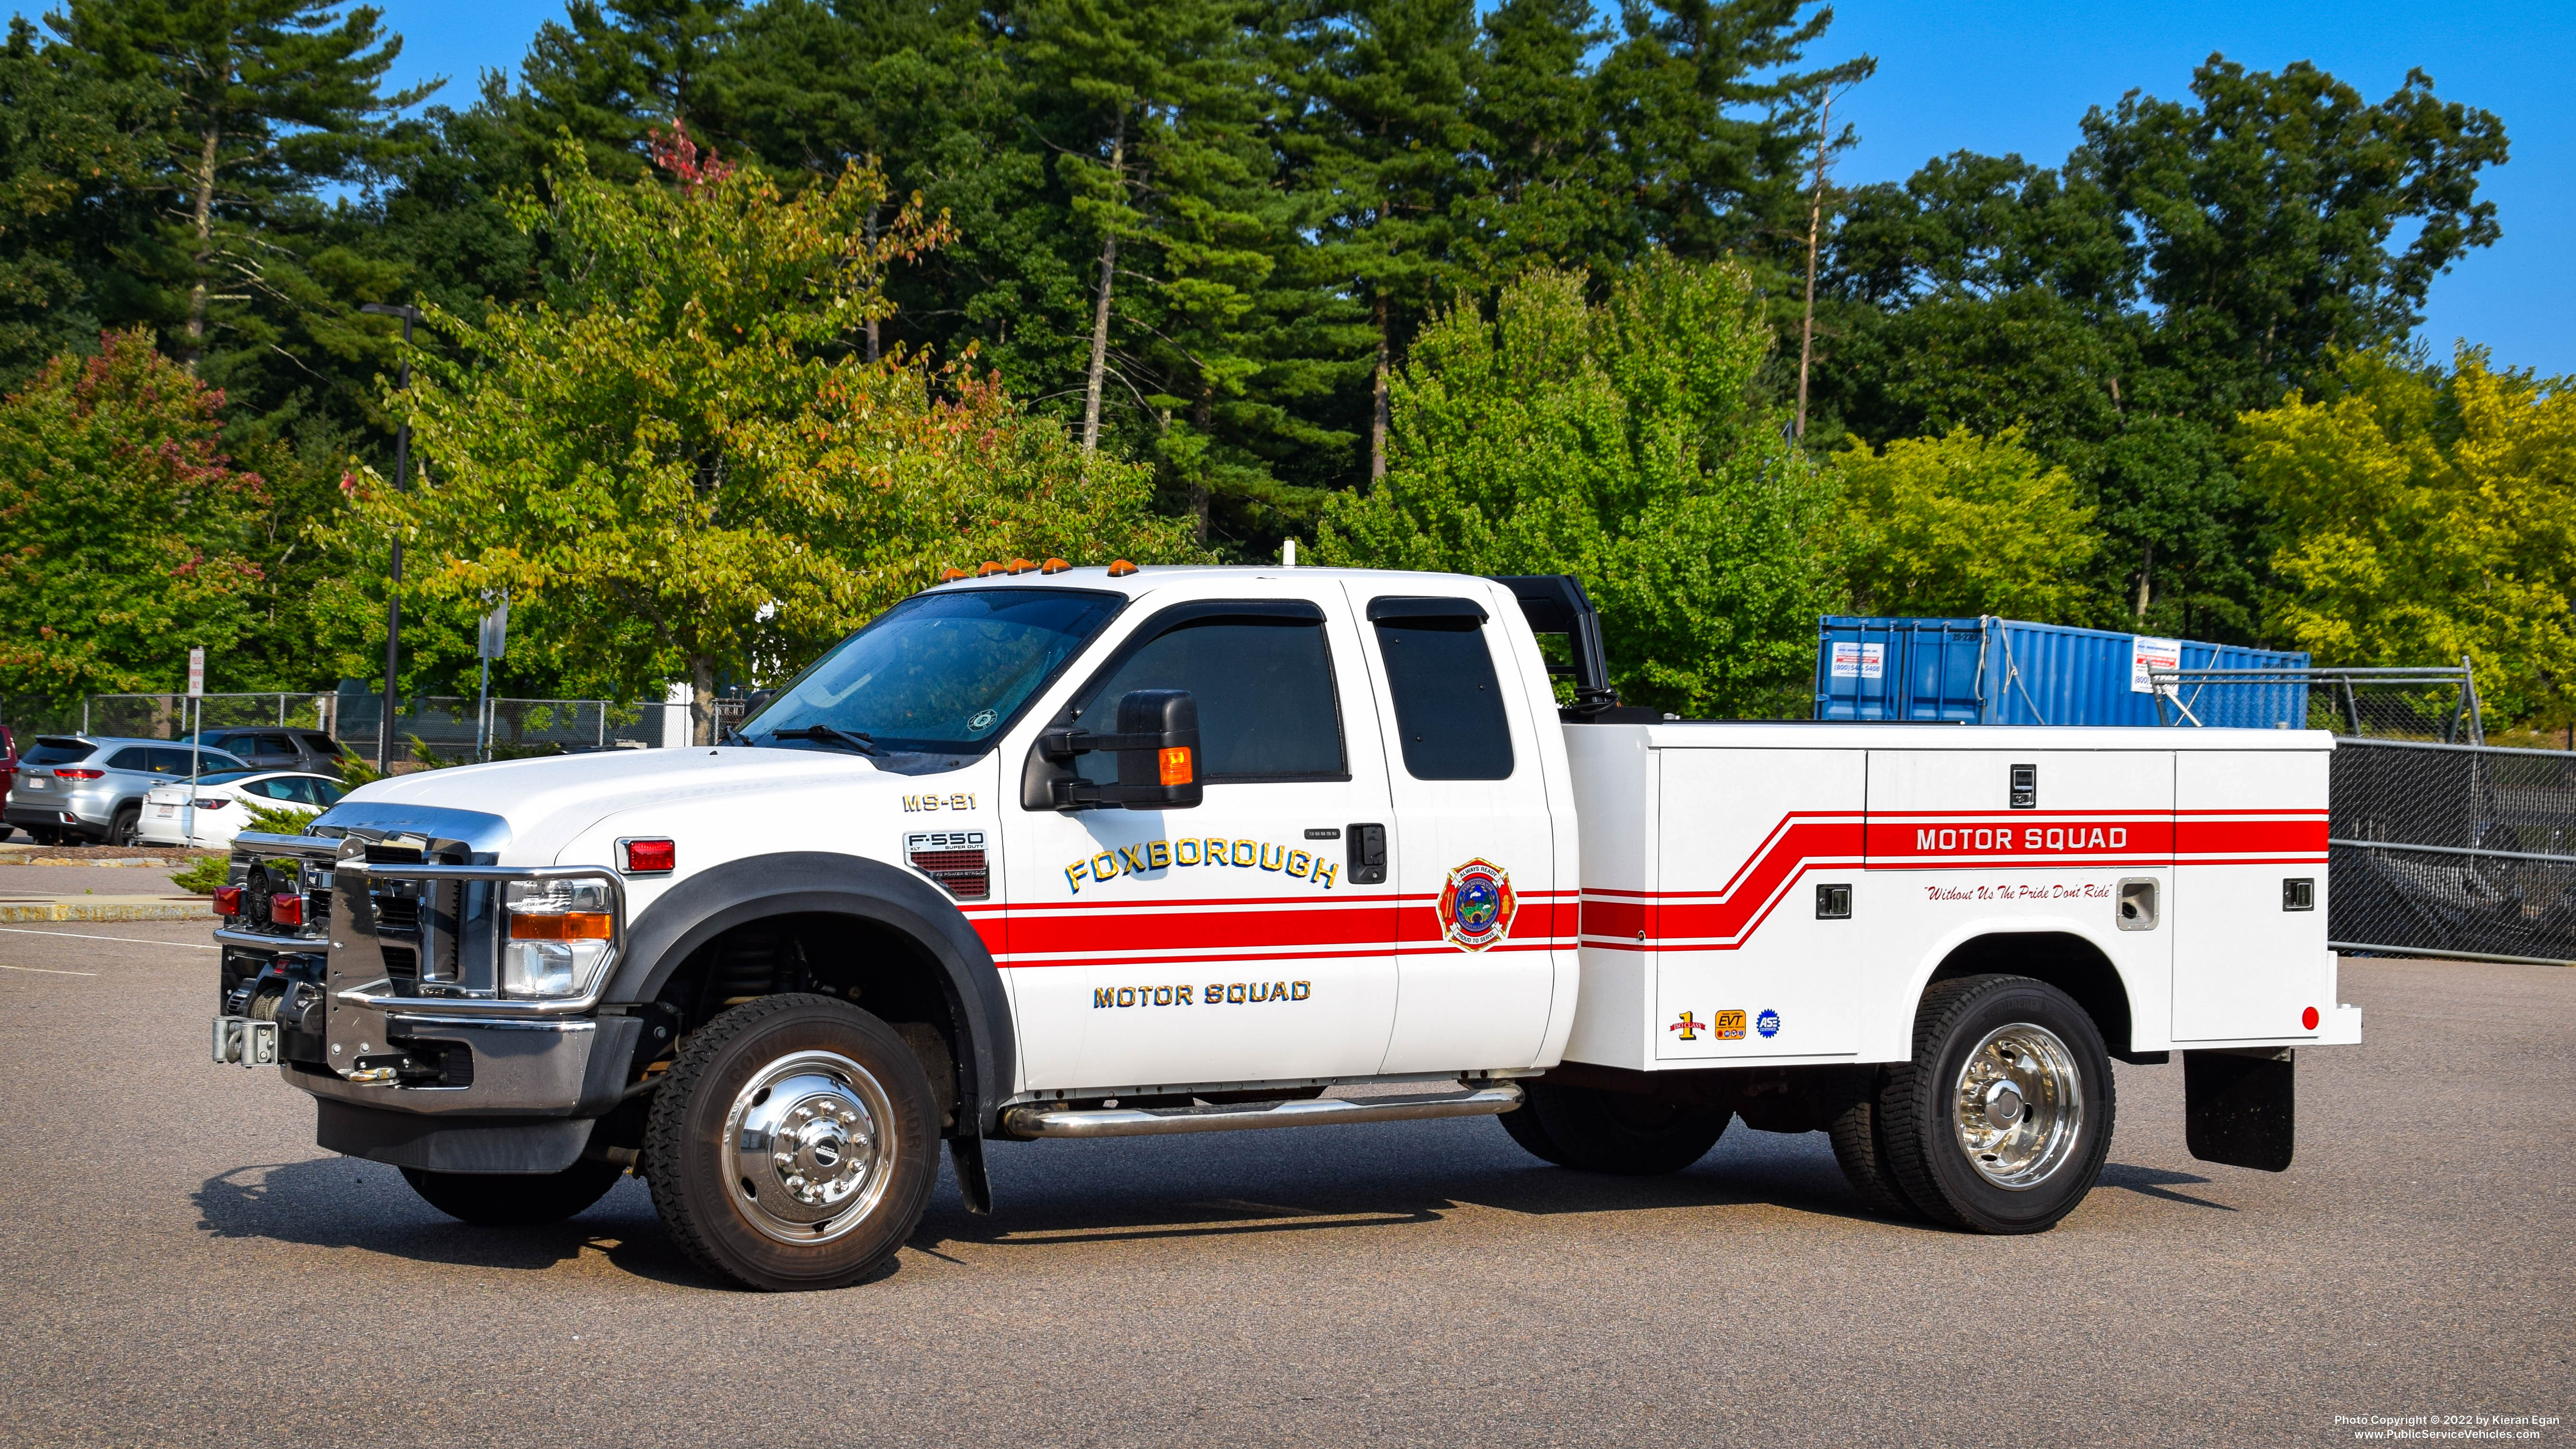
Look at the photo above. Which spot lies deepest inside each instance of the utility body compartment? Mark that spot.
(1781, 894)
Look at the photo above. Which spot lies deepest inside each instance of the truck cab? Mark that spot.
(1079, 852)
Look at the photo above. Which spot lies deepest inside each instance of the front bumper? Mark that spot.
(390, 999)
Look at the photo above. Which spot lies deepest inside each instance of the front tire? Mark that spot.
(794, 1145)
(2001, 1121)
(1624, 1133)
(514, 1199)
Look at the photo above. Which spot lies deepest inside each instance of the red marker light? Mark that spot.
(228, 901)
(2309, 1018)
(286, 910)
(651, 857)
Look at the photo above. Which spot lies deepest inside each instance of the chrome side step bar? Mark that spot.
(1035, 1120)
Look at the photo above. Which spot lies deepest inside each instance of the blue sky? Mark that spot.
(2018, 77)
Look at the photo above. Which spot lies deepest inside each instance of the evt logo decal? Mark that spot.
(1476, 905)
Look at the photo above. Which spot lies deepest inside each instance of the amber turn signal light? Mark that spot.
(1176, 765)
(1054, 566)
(1121, 569)
(951, 575)
(990, 567)
(569, 926)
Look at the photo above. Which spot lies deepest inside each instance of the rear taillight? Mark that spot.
(228, 901)
(210, 804)
(284, 910)
(62, 774)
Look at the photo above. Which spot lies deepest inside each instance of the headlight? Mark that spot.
(559, 935)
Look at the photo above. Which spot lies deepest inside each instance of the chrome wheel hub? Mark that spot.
(2018, 1106)
(807, 1150)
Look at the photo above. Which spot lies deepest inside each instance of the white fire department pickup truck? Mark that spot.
(1073, 852)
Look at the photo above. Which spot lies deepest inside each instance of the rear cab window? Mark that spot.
(1448, 703)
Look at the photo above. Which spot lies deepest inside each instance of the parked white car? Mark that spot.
(224, 804)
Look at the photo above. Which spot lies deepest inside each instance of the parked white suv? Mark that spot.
(224, 802)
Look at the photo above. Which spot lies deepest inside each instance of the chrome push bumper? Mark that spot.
(521, 1056)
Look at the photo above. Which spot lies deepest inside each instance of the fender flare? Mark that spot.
(737, 892)
(1919, 978)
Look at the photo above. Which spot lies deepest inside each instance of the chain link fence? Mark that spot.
(2453, 850)
(2437, 703)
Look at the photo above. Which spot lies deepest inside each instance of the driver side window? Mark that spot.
(1264, 687)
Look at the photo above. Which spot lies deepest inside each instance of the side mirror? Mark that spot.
(1157, 745)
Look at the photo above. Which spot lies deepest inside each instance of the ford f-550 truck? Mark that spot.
(1082, 852)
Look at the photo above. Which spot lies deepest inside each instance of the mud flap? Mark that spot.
(966, 1154)
(2241, 1107)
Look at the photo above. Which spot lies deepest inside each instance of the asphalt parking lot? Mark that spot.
(182, 1265)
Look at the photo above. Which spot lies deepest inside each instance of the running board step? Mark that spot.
(1034, 1120)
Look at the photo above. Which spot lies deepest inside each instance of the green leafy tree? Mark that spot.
(2429, 516)
(1621, 442)
(680, 458)
(1961, 525)
(2190, 260)
(121, 511)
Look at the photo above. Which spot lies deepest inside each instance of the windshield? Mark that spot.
(940, 673)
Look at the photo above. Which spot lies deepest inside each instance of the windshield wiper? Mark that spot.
(826, 735)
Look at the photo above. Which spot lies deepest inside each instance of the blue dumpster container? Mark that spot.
(2008, 671)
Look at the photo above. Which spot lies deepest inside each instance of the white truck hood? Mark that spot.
(547, 802)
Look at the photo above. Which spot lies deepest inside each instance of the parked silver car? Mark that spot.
(75, 788)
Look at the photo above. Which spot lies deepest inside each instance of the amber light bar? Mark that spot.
(565, 926)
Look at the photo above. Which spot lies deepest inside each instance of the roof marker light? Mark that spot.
(1054, 566)
(1121, 569)
(951, 575)
(990, 567)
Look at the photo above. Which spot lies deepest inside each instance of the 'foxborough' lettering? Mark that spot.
(1153, 856)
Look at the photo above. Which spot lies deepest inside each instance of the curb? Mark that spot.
(108, 908)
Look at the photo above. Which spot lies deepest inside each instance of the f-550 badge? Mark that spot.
(1476, 905)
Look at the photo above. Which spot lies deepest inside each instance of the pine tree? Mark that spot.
(1385, 131)
(268, 102)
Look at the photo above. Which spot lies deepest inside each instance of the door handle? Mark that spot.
(1368, 854)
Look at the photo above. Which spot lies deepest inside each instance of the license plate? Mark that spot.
(165, 811)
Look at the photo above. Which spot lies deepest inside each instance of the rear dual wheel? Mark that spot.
(1615, 1132)
(2001, 1121)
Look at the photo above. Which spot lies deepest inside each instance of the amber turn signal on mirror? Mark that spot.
(1176, 765)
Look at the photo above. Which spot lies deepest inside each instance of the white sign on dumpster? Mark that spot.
(1859, 661)
(2146, 654)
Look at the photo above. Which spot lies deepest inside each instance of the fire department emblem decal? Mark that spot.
(1476, 905)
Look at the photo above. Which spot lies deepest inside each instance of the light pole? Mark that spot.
(393, 575)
